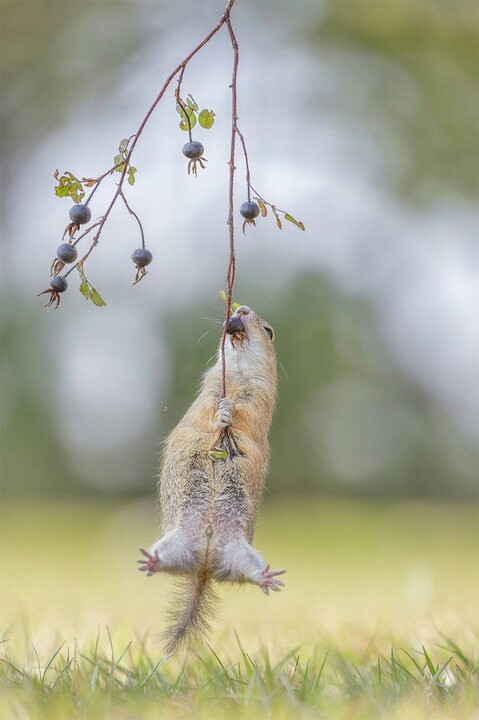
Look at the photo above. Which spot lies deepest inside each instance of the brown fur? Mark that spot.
(209, 508)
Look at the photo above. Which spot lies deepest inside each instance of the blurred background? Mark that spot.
(362, 120)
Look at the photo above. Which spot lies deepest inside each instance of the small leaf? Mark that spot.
(69, 186)
(217, 454)
(89, 182)
(278, 220)
(235, 306)
(187, 112)
(96, 298)
(262, 207)
(131, 175)
(223, 296)
(291, 219)
(118, 161)
(123, 146)
(191, 102)
(85, 290)
(206, 119)
(62, 191)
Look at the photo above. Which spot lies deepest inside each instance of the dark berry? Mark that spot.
(58, 283)
(235, 325)
(193, 150)
(249, 210)
(141, 257)
(80, 214)
(67, 253)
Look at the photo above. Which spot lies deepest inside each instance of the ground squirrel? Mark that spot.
(209, 507)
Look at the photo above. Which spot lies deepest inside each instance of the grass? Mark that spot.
(379, 618)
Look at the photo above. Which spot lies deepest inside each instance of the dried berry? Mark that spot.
(58, 284)
(193, 150)
(67, 253)
(141, 257)
(249, 210)
(80, 214)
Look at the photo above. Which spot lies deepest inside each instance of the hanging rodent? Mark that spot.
(209, 504)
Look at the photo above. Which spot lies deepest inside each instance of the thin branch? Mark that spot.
(230, 274)
(180, 101)
(245, 153)
(132, 212)
(180, 67)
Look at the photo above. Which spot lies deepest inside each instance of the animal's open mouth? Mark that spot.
(236, 330)
(235, 325)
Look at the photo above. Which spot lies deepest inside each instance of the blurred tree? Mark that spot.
(409, 71)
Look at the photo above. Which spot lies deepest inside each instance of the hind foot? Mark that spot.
(150, 564)
(267, 580)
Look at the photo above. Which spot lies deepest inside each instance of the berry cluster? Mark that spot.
(75, 188)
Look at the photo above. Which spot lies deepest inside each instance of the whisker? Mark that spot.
(202, 336)
(211, 320)
(283, 368)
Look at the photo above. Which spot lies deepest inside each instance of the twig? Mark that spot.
(245, 153)
(132, 212)
(230, 274)
(180, 67)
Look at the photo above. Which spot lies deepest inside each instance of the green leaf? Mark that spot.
(62, 191)
(191, 115)
(291, 219)
(117, 160)
(206, 119)
(222, 295)
(217, 454)
(235, 306)
(262, 207)
(123, 146)
(76, 192)
(96, 298)
(85, 290)
(191, 102)
(131, 175)
(69, 186)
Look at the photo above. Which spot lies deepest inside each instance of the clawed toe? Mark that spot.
(150, 564)
(269, 580)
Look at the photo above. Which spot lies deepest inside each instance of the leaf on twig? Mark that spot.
(191, 102)
(278, 219)
(96, 298)
(69, 186)
(206, 119)
(84, 289)
(131, 175)
(217, 453)
(262, 207)
(185, 114)
(234, 305)
(123, 146)
(117, 161)
(291, 219)
(87, 289)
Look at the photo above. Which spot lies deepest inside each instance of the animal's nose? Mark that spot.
(242, 310)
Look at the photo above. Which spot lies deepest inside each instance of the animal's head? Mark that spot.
(249, 331)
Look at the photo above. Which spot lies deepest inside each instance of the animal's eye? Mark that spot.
(270, 332)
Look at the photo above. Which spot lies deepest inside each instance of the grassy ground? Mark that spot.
(379, 618)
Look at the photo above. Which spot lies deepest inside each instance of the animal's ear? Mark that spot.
(269, 330)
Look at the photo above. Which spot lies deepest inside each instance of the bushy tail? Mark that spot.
(193, 606)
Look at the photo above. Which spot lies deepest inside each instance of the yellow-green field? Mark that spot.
(379, 617)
